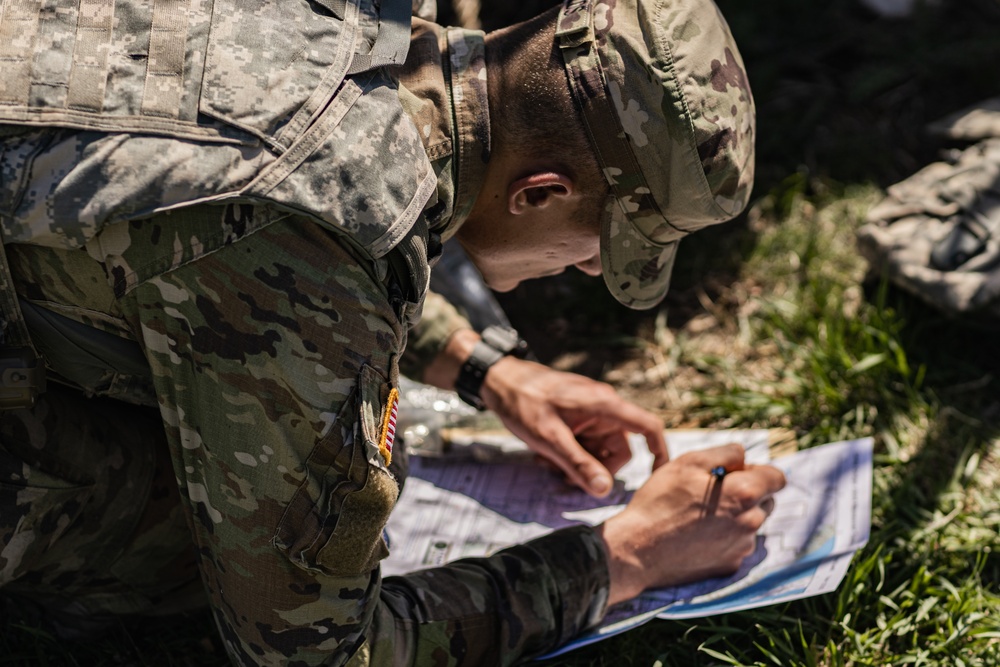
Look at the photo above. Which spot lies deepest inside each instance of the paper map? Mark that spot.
(454, 508)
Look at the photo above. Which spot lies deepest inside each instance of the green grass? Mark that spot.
(807, 348)
(771, 323)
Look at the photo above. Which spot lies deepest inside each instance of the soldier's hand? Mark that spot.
(579, 425)
(686, 524)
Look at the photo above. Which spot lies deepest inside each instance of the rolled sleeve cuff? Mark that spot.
(428, 337)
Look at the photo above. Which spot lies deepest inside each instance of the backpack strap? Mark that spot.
(393, 40)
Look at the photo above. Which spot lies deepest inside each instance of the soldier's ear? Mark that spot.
(539, 190)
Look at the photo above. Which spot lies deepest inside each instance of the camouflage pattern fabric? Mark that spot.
(667, 105)
(980, 121)
(425, 9)
(267, 346)
(937, 233)
(442, 87)
(236, 103)
(440, 319)
(271, 383)
(90, 518)
(252, 286)
(495, 14)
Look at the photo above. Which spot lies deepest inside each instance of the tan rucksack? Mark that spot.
(937, 233)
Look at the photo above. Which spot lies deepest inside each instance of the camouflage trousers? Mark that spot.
(89, 510)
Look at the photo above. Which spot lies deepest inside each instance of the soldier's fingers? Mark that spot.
(770, 477)
(612, 451)
(726, 457)
(748, 488)
(601, 401)
(754, 518)
(580, 467)
(657, 444)
(635, 419)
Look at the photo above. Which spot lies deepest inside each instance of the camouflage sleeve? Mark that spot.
(523, 601)
(273, 358)
(426, 340)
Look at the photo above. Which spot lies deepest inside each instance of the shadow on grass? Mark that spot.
(186, 640)
(841, 94)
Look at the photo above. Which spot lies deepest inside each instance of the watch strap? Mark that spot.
(496, 343)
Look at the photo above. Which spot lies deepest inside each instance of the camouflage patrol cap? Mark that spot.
(668, 110)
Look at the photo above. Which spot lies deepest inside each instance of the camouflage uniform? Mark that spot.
(269, 343)
(197, 233)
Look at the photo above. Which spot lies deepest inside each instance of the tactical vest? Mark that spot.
(112, 110)
(204, 101)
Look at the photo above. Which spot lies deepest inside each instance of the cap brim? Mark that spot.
(636, 271)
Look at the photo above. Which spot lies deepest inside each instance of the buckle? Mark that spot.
(22, 378)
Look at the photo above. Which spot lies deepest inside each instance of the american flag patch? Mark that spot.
(388, 433)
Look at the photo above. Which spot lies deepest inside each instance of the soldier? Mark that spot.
(219, 223)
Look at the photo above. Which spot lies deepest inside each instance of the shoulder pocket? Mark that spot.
(334, 522)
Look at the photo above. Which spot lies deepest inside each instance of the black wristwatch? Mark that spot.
(497, 342)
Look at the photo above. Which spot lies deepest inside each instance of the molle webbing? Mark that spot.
(265, 70)
(165, 68)
(208, 101)
(105, 64)
(18, 30)
(89, 74)
(393, 39)
(182, 67)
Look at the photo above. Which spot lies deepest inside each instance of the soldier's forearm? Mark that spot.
(522, 601)
(428, 339)
(443, 370)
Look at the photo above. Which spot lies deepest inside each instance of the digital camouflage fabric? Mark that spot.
(237, 104)
(254, 345)
(667, 105)
(937, 233)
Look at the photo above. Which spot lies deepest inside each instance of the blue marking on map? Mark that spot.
(802, 569)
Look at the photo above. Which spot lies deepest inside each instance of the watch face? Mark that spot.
(504, 340)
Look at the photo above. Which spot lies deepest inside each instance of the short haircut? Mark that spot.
(533, 113)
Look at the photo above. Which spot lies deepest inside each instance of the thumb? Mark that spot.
(579, 466)
(594, 478)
